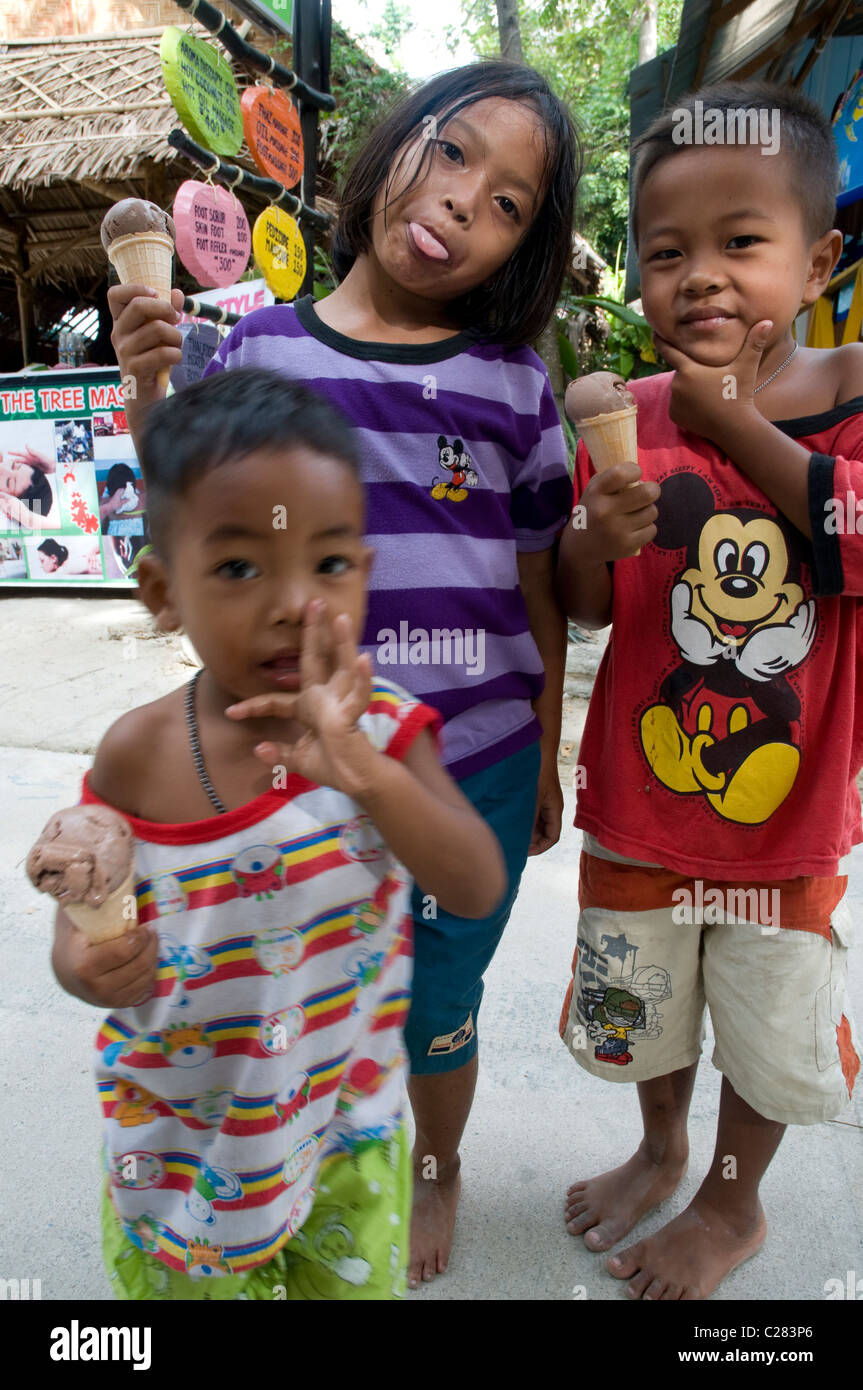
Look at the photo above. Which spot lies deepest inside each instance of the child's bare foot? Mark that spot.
(689, 1256)
(433, 1222)
(605, 1209)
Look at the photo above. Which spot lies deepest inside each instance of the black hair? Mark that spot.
(38, 496)
(520, 299)
(806, 137)
(58, 552)
(224, 418)
(119, 475)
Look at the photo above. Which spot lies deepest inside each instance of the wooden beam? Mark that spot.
(84, 240)
(24, 292)
(815, 52)
(112, 191)
(805, 25)
(128, 37)
(775, 66)
(720, 15)
(108, 108)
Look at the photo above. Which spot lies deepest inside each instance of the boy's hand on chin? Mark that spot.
(334, 691)
(715, 401)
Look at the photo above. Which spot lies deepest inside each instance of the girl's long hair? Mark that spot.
(517, 304)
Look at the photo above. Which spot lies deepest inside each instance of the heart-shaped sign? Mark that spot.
(202, 87)
(279, 251)
(213, 240)
(272, 128)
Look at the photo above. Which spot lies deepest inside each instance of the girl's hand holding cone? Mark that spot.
(147, 342)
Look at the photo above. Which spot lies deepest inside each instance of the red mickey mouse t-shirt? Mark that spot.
(725, 730)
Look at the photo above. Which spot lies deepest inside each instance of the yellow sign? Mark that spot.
(279, 252)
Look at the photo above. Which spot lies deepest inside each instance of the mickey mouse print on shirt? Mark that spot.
(725, 723)
(459, 464)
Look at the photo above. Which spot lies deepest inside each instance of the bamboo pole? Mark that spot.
(113, 108)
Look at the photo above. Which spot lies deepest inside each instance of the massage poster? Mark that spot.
(72, 498)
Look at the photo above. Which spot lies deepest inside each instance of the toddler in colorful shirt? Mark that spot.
(251, 1071)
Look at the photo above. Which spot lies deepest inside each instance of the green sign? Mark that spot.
(202, 87)
(72, 498)
(273, 15)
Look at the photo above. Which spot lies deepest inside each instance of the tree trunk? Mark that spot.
(647, 33)
(510, 33)
(547, 347)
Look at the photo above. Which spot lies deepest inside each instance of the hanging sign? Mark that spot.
(241, 298)
(273, 16)
(202, 87)
(272, 128)
(279, 251)
(213, 239)
(200, 341)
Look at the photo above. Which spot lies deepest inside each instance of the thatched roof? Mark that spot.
(83, 123)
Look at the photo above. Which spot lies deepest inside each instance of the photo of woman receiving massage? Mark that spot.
(64, 557)
(28, 500)
(122, 501)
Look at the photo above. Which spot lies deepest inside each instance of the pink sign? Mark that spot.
(213, 239)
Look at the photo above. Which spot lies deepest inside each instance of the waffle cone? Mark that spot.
(145, 258)
(611, 438)
(112, 918)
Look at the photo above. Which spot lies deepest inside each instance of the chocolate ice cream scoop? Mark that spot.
(132, 216)
(83, 854)
(600, 393)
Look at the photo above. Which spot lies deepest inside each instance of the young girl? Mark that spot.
(452, 241)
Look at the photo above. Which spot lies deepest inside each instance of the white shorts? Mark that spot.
(769, 960)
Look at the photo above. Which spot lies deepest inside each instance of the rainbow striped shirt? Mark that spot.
(274, 1037)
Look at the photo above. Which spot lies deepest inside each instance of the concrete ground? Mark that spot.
(73, 665)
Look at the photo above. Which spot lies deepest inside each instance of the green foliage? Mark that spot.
(396, 20)
(324, 278)
(362, 97)
(628, 349)
(586, 49)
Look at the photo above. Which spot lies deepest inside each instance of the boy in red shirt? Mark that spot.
(723, 739)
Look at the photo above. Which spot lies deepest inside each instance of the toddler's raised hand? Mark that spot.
(335, 689)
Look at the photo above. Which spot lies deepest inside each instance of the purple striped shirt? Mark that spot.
(464, 465)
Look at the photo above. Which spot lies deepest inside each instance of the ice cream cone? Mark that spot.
(116, 915)
(611, 438)
(144, 258)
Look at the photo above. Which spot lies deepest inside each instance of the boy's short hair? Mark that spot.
(522, 294)
(805, 136)
(224, 418)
